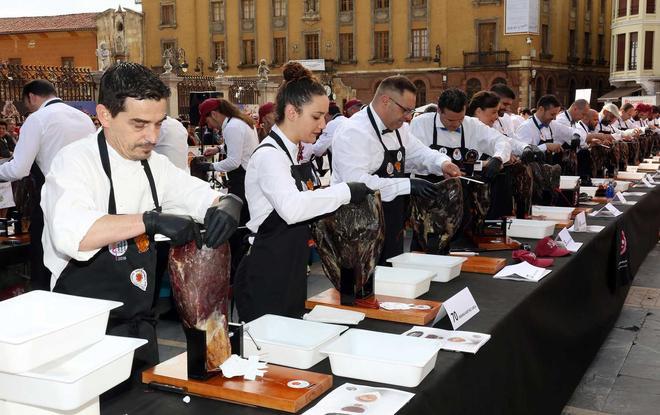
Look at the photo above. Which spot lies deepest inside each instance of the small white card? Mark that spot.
(647, 183)
(565, 236)
(351, 399)
(460, 308)
(523, 271)
(650, 179)
(580, 222)
(619, 196)
(612, 209)
(455, 341)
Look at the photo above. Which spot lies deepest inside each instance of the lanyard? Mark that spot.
(540, 132)
(569, 118)
(375, 127)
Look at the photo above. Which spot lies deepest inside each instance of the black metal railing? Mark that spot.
(192, 83)
(244, 91)
(492, 58)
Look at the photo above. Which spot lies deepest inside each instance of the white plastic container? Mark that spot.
(12, 408)
(289, 341)
(569, 182)
(382, 357)
(589, 190)
(445, 267)
(552, 212)
(656, 159)
(648, 167)
(629, 169)
(42, 326)
(626, 175)
(621, 185)
(70, 382)
(402, 282)
(598, 182)
(534, 229)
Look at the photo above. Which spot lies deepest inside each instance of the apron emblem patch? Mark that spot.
(389, 168)
(142, 243)
(310, 184)
(118, 249)
(399, 156)
(139, 278)
(457, 154)
(443, 151)
(397, 166)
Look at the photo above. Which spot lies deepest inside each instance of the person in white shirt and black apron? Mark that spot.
(282, 195)
(376, 146)
(103, 201)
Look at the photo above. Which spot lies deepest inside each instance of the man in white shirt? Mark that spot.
(173, 142)
(103, 201)
(375, 147)
(51, 125)
(505, 123)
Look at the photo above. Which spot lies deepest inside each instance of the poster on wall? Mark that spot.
(583, 94)
(645, 99)
(521, 17)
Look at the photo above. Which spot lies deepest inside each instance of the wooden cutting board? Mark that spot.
(563, 224)
(483, 265)
(577, 211)
(270, 391)
(330, 298)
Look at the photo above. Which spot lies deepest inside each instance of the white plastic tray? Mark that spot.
(402, 282)
(445, 267)
(289, 341)
(382, 357)
(552, 212)
(534, 229)
(629, 169)
(12, 408)
(621, 185)
(41, 326)
(589, 190)
(70, 382)
(648, 166)
(569, 182)
(626, 175)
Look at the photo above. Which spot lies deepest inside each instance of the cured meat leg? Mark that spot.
(200, 284)
(349, 242)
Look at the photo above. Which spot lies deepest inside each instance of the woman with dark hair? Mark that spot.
(281, 194)
(484, 106)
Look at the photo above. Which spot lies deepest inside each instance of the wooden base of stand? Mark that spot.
(577, 211)
(483, 265)
(495, 243)
(270, 391)
(330, 298)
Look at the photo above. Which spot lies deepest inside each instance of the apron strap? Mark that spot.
(280, 143)
(375, 127)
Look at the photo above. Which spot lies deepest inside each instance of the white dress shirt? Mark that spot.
(516, 120)
(324, 142)
(529, 133)
(43, 134)
(357, 154)
(565, 119)
(77, 190)
(173, 142)
(504, 125)
(478, 136)
(241, 140)
(269, 185)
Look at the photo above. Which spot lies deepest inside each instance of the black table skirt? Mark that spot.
(544, 335)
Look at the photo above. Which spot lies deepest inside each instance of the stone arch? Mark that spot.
(538, 89)
(499, 80)
(422, 90)
(572, 86)
(551, 86)
(472, 86)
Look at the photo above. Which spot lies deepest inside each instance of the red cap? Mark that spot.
(530, 257)
(266, 109)
(548, 247)
(205, 109)
(351, 103)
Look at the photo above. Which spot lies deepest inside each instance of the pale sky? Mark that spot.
(20, 8)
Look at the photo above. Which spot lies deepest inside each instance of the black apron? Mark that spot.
(457, 155)
(551, 158)
(124, 271)
(272, 277)
(394, 212)
(39, 274)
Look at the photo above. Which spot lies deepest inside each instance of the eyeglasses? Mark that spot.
(406, 111)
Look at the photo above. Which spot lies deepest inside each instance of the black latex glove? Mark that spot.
(359, 191)
(493, 167)
(221, 220)
(539, 156)
(528, 155)
(180, 229)
(206, 167)
(423, 188)
(575, 142)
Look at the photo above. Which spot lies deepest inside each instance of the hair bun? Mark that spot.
(294, 71)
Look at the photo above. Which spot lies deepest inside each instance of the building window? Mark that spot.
(499, 80)
(545, 39)
(419, 3)
(551, 87)
(167, 44)
(601, 48)
(650, 6)
(421, 93)
(346, 47)
(587, 45)
(346, 6)
(167, 15)
(217, 12)
(574, 4)
(634, 7)
(247, 7)
(588, 7)
(311, 6)
(632, 57)
(420, 43)
(620, 51)
(622, 10)
(219, 50)
(572, 43)
(279, 50)
(14, 61)
(67, 61)
(603, 5)
(279, 8)
(648, 50)
(472, 87)
(249, 52)
(381, 45)
(312, 46)
(382, 4)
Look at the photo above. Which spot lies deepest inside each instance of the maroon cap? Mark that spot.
(548, 247)
(266, 109)
(351, 103)
(205, 109)
(530, 257)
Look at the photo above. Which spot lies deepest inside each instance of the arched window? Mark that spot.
(377, 85)
(472, 87)
(572, 86)
(551, 89)
(587, 83)
(601, 88)
(499, 80)
(421, 93)
(538, 90)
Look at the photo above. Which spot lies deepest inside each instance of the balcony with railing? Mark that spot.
(491, 58)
